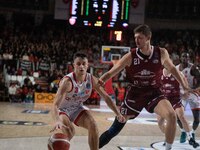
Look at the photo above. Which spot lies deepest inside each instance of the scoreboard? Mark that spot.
(100, 13)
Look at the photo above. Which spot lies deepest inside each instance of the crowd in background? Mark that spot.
(48, 50)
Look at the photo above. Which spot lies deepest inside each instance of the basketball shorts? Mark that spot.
(193, 100)
(138, 98)
(175, 101)
(72, 114)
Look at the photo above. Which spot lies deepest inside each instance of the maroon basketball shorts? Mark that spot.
(138, 98)
(175, 101)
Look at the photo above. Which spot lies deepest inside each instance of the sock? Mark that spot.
(189, 135)
(182, 130)
(168, 146)
(193, 131)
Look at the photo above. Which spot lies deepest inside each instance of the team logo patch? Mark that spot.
(155, 61)
(88, 85)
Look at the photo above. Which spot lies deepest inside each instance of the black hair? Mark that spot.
(79, 54)
(185, 53)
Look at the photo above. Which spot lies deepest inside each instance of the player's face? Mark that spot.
(80, 65)
(185, 58)
(141, 40)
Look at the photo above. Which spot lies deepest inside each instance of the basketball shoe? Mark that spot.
(193, 143)
(183, 137)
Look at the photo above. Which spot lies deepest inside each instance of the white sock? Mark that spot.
(189, 135)
(193, 131)
(168, 146)
(182, 130)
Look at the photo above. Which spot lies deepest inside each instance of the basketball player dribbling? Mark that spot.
(74, 89)
(144, 66)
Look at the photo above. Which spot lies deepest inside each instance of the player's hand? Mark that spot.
(187, 91)
(185, 96)
(197, 91)
(121, 118)
(101, 82)
(58, 125)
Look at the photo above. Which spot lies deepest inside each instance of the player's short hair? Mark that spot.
(79, 54)
(185, 54)
(144, 29)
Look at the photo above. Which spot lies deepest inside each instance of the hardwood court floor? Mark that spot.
(138, 133)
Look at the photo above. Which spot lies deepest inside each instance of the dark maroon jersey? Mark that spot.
(145, 71)
(170, 86)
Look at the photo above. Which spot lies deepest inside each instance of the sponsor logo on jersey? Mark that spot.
(172, 79)
(155, 61)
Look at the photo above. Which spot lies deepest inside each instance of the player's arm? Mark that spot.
(119, 66)
(107, 99)
(166, 72)
(64, 87)
(185, 94)
(197, 90)
(168, 64)
(195, 71)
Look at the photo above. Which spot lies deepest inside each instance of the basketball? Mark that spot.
(58, 141)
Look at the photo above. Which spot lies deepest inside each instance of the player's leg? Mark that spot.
(194, 101)
(64, 135)
(70, 130)
(182, 119)
(165, 110)
(161, 123)
(183, 133)
(196, 115)
(87, 121)
(181, 116)
(117, 126)
(114, 130)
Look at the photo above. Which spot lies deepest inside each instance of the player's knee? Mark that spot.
(93, 127)
(70, 131)
(161, 121)
(171, 116)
